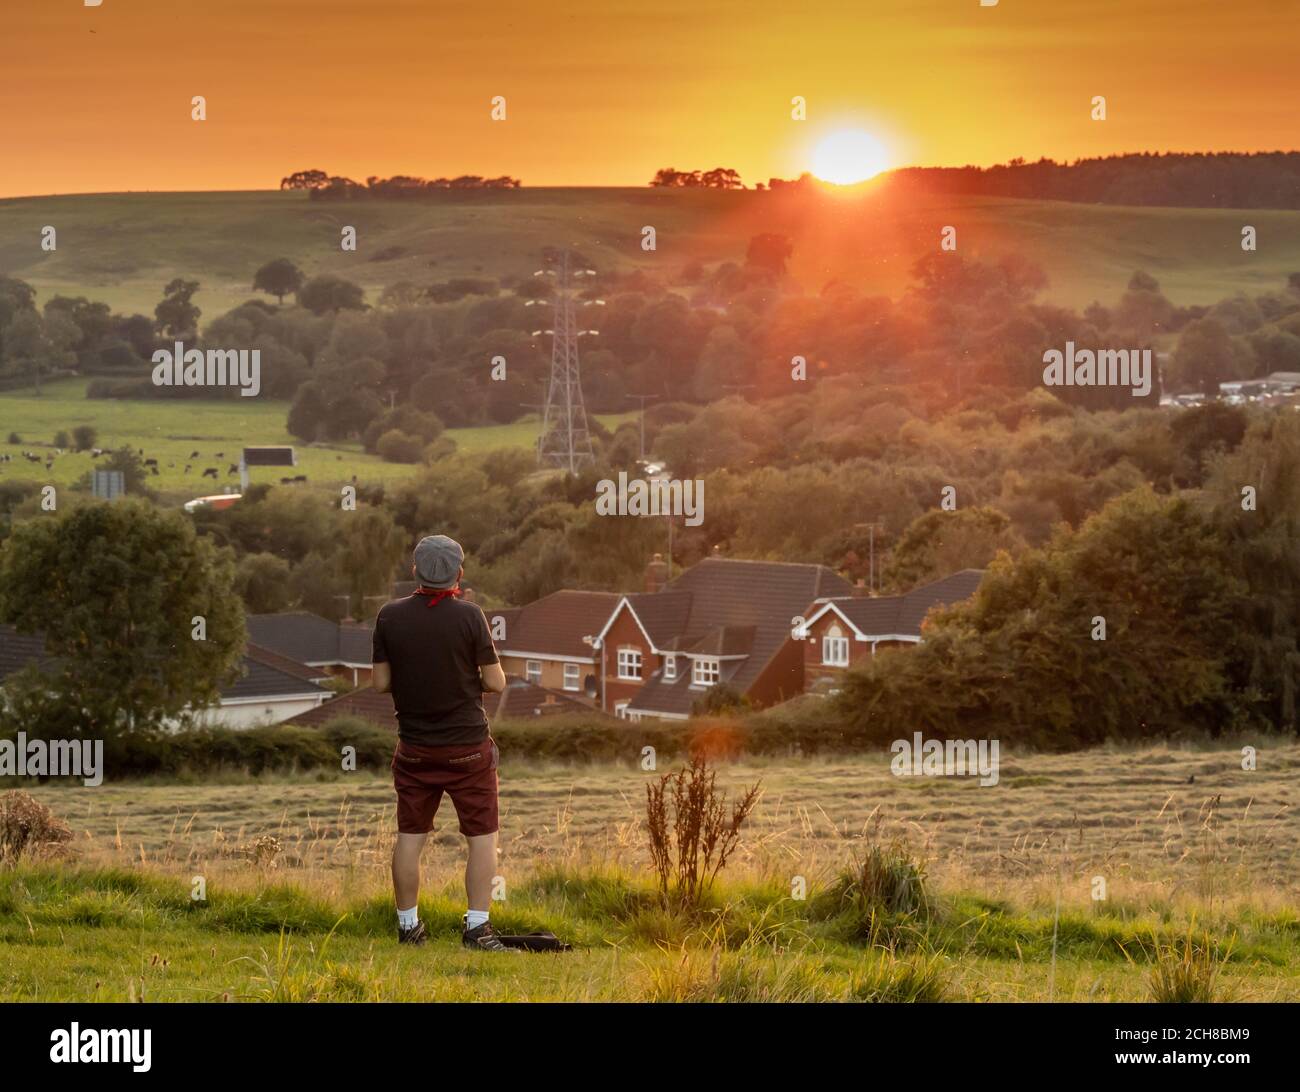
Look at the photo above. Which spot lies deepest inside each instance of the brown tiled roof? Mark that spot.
(366, 703)
(524, 699)
(746, 606)
(556, 624)
(663, 614)
(903, 614)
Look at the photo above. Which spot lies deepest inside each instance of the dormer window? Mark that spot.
(705, 672)
(670, 668)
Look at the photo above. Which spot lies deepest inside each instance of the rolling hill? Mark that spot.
(122, 248)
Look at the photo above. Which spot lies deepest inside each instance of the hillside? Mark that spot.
(122, 248)
(170, 432)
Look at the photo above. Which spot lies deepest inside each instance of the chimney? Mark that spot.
(656, 574)
(859, 589)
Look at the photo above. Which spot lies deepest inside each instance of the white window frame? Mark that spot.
(574, 672)
(670, 668)
(533, 671)
(629, 664)
(835, 651)
(706, 672)
(620, 710)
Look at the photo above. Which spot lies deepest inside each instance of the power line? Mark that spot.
(565, 440)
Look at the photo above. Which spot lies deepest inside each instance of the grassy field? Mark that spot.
(171, 431)
(122, 248)
(1189, 845)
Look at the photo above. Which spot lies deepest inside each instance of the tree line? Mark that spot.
(1189, 180)
(322, 186)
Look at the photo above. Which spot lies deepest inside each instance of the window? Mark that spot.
(533, 671)
(572, 676)
(629, 663)
(670, 668)
(835, 648)
(705, 672)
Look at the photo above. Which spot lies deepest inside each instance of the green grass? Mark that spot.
(170, 431)
(111, 934)
(122, 248)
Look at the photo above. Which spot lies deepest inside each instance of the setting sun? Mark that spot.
(849, 156)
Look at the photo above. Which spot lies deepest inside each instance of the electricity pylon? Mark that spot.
(565, 441)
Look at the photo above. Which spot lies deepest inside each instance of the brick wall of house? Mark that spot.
(625, 633)
(782, 678)
(813, 667)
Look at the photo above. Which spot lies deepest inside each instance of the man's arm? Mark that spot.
(492, 677)
(381, 675)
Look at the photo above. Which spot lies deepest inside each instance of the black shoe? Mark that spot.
(482, 938)
(416, 934)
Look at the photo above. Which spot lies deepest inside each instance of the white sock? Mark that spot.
(475, 918)
(408, 919)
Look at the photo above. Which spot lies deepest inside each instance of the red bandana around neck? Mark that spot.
(437, 595)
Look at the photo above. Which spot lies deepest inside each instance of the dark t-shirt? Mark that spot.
(434, 654)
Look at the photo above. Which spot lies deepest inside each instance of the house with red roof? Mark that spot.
(840, 631)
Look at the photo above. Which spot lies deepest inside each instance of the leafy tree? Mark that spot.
(262, 581)
(1205, 356)
(720, 699)
(35, 346)
(938, 544)
(115, 588)
(84, 437)
(278, 278)
(330, 293)
(1152, 567)
(305, 180)
(769, 251)
(16, 297)
(371, 547)
(176, 316)
(396, 446)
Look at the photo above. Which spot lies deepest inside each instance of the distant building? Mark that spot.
(270, 688)
(519, 701)
(840, 632)
(340, 648)
(722, 622)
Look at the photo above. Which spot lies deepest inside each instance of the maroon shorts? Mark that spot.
(468, 774)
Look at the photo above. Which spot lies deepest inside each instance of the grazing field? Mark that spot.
(122, 248)
(171, 431)
(1199, 860)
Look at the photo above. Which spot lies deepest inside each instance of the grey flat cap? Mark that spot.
(438, 560)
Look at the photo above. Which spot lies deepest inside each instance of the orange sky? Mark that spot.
(603, 93)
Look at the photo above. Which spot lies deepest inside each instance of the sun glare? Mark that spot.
(849, 156)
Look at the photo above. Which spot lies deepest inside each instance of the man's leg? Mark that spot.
(406, 870)
(480, 867)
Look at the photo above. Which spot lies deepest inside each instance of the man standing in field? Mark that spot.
(433, 652)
